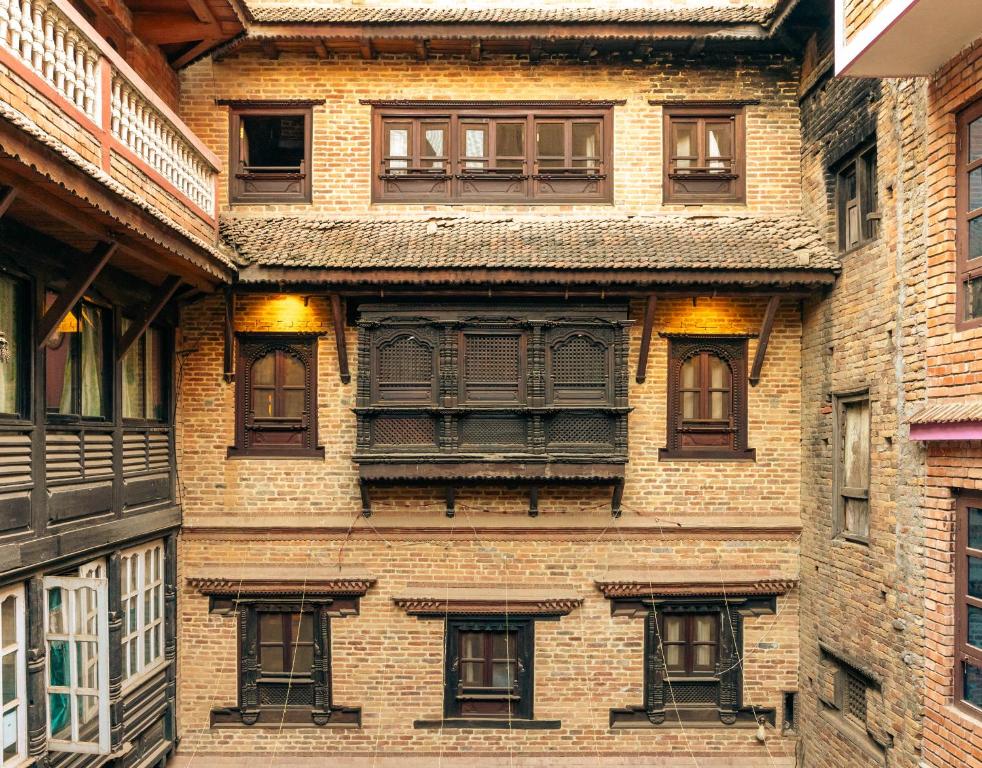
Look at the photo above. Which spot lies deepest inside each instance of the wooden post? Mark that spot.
(229, 351)
(649, 320)
(337, 313)
(76, 288)
(765, 337)
(137, 329)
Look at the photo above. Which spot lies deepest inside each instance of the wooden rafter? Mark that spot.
(337, 313)
(7, 197)
(137, 329)
(765, 336)
(649, 320)
(79, 283)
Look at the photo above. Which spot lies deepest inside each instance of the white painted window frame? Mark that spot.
(70, 586)
(18, 705)
(143, 596)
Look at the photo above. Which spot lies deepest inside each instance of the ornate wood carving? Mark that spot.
(116, 724)
(693, 583)
(37, 710)
(438, 601)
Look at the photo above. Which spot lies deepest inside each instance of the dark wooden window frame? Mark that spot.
(737, 176)
(688, 642)
(733, 351)
(965, 653)
(166, 374)
(457, 184)
(968, 269)
(455, 693)
(839, 491)
(858, 163)
(25, 347)
(238, 175)
(252, 347)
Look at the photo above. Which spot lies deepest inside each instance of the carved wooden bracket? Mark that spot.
(763, 339)
(228, 356)
(649, 319)
(138, 328)
(337, 314)
(274, 581)
(79, 283)
(475, 601)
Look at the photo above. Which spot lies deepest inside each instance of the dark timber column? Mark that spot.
(170, 635)
(115, 653)
(37, 709)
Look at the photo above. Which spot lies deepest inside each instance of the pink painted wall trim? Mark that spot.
(965, 430)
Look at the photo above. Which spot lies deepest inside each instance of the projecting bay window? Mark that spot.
(13, 676)
(271, 148)
(704, 155)
(851, 468)
(483, 152)
(968, 604)
(77, 364)
(969, 242)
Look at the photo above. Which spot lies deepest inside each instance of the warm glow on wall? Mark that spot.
(287, 309)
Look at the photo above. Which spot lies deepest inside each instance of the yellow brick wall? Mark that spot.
(857, 14)
(342, 126)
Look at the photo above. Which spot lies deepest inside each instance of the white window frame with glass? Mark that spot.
(85, 381)
(856, 198)
(79, 627)
(142, 600)
(968, 604)
(13, 676)
(14, 347)
(699, 167)
(144, 390)
(969, 213)
(851, 435)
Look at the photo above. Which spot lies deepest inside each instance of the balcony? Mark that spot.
(64, 84)
(902, 38)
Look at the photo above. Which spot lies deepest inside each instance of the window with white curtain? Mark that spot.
(13, 676)
(142, 590)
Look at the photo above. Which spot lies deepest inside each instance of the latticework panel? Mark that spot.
(579, 361)
(405, 360)
(492, 358)
(282, 694)
(581, 429)
(691, 694)
(477, 431)
(854, 700)
(404, 431)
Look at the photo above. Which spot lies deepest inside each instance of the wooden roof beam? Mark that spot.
(649, 321)
(84, 276)
(765, 336)
(164, 28)
(7, 197)
(337, 314)
(137, 329)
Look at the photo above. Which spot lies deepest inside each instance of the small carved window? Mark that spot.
(494, 368)
(704, 155)
(852, 466)
(857, 208)
(707, 399)
(276, 408)
(270, 148)
(489, 668)
(579, 370)
(405, 370)
(690, 643)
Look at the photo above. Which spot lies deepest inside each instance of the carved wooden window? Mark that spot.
(851, 479)
(707, 398)
(579, 369)
(13, 675)
(492, 152)
(15, 358)
(146, 375)
(857, 208)
(285, 662)
(76, 626)
(493, 367)
(969, 211)
(968, 603)
(270, 147)
(405, 368)
(489, 668)
(78, 364)
(142, 601)
(704, 155)
(276, 396)
(693, 650)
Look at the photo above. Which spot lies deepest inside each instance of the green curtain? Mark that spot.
(10, 328)
(93, 357)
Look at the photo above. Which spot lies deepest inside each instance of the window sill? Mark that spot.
(636, 718)
(339, 717)
(668, 454)
(853, 539)
(248, 453)
(855, 736)
(489, 723)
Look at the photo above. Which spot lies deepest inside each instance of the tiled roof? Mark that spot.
(666, 242)
(343, 14)
(949, 411)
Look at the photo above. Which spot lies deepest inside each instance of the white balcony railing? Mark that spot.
(50, 41)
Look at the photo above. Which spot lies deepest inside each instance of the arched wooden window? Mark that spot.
(276, 407)
(707, 399)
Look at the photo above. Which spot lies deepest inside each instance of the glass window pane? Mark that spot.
(974, 628)
(472, 673)
(690, 373)
(272, 141)
(88, 713)
(973, 298)
(93, 362)
(856, 444)
(303, 659)
(719, 373)
(973, 685)
(509, 140)
(155, 375)
(434, 141)
(271, 627)
(293, 404)
(975, 140)
(11, 331)
(263, 370)
(673, 629)
(472, 645)
(675, 658)
(58, 713)
(475, 146)
(848, 181)
(975, 189)
(690, 405)
(503, 645)
(501, 674)
(975, 528)
(586, 139)
(134, 379)
(262, 403)
(975, 238)
(8, 621)
(302, 627)
(704, 628)
(975, 577)
(8, 674)
(86, 621)
(684, 147)
(271, 659)
(293, 371)
(87, 660)
(703, 657)
(549, 143)
(59, 672)
(11, 736)
(56, 611)
(718, 402)
(719, 141)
